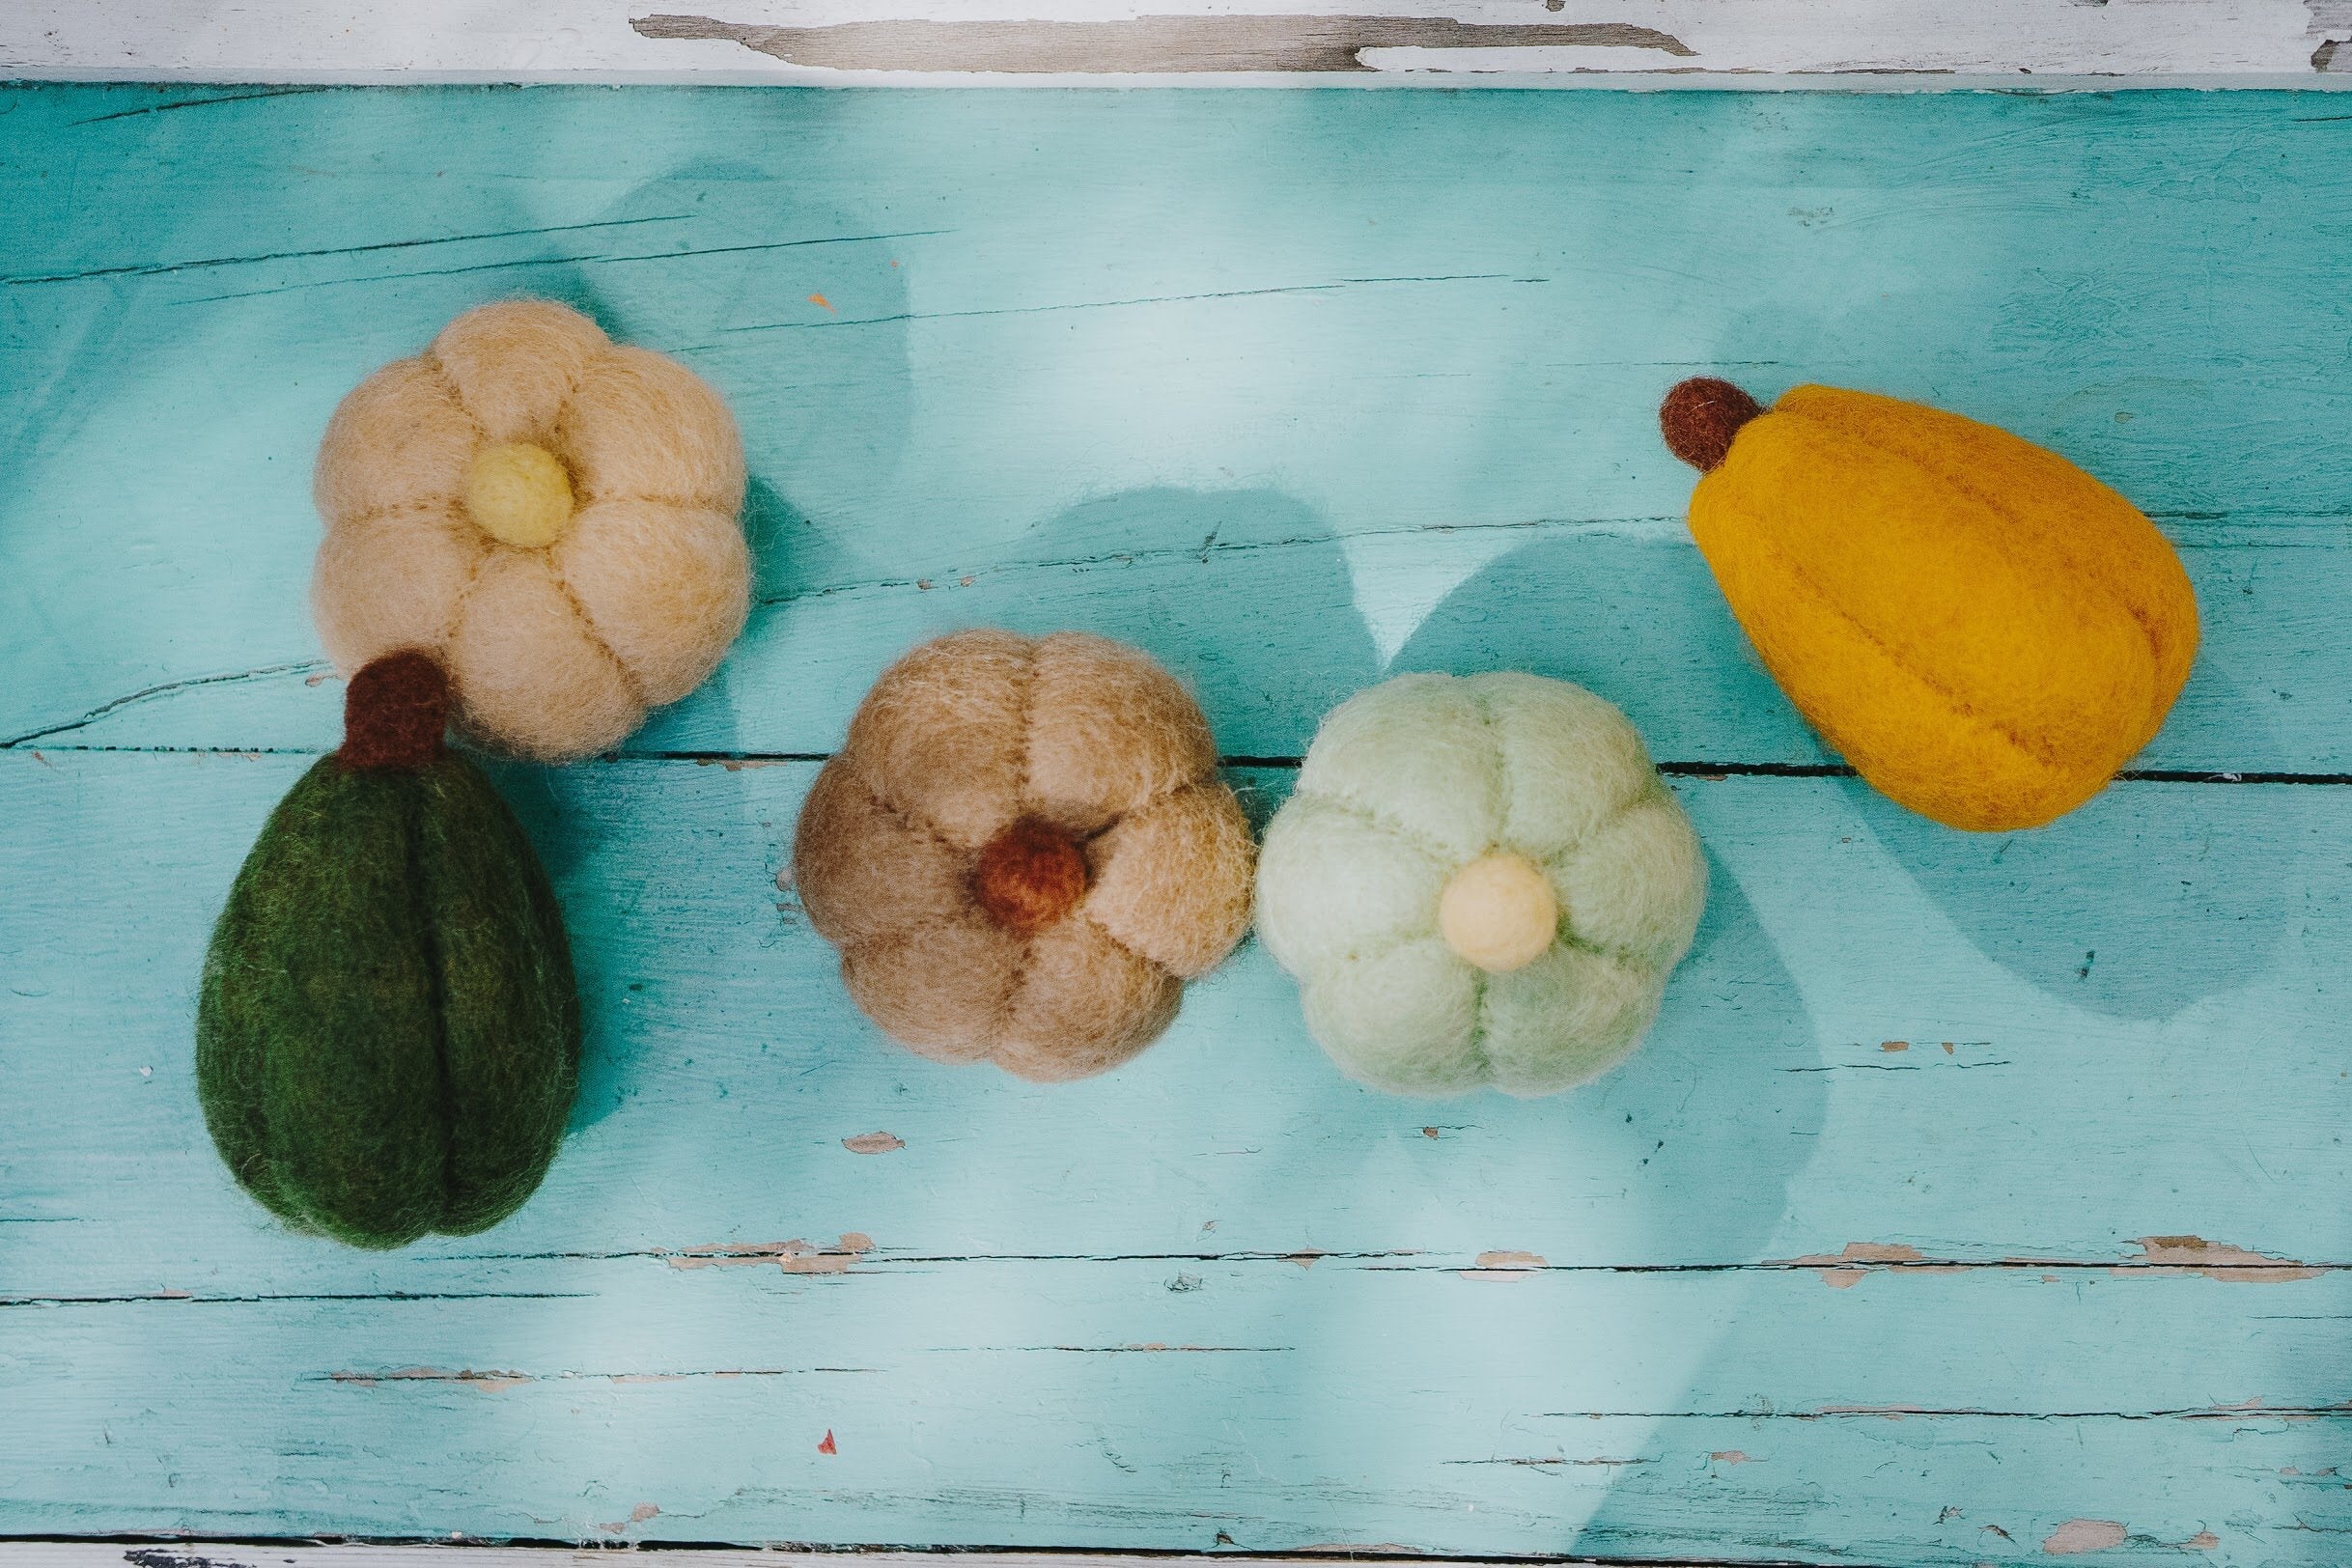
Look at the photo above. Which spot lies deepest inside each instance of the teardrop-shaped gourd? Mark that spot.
(387, 1041)
(1985, 631)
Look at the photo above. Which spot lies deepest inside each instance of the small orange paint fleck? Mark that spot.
(826, 1447)
(2201, 1541)
(1502, 1265)
(874, 1143)
(1429, 1131)
(822, 303)
(964, 582)
(1948, 1047)
(1894, 1045)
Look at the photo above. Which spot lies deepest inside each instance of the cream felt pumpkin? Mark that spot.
(551, 513)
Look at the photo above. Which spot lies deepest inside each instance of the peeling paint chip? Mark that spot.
(2215, 1260)
(826, 1447)
(2079, 1535)
(874, 1143)
(795, 1256)
(1505, 1266)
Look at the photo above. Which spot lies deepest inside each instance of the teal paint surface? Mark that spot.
(1969, 1190)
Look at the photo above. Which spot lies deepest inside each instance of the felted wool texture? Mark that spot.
(989, 755)
(1984, 631)
(554, 651)
(1408, 783)
(387, 1037)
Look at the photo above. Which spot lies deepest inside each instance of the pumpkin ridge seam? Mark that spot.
(1019, 975)
(1371, 817)
(457, 398)
(1081, 912)
(596, 638)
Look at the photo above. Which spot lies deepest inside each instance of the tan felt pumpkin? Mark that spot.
(1023, 850)
(551, 513)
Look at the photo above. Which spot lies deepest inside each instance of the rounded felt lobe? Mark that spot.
(1404, 1021)
(398, 439)
(1336, 886)
(1172, 880)
(1108, 730)
(515, 364)
(941, 736)
(394, 711)
(1498, 913)
(1568, 1017)
(643, 427)
(2048, 506)
(1416, 753)
(666, 587)
(509, 1044)
(1638, 884)
(530, 676)
(938, 989)
(1952, 587)
(1083, 1006)
(1029, 877)
(1570, 759)
(864, 871)
(392, 579)
(1701, 417)
(1897, 728)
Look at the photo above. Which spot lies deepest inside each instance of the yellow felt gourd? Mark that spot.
(1983, 629)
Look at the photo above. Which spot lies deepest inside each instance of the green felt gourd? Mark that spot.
(387, 1042)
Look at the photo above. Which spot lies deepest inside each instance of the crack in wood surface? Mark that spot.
(1331, 287)
(561, 260)
(159, 268)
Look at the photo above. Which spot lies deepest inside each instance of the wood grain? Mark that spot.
(1973, 1200)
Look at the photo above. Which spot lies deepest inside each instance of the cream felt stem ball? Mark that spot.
(1023, 850)
(554, 515)
(1479, 880)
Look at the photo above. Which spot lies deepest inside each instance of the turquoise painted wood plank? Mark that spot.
(2192, 1083)
(1964, 1419)
(1365, 369)
(1271, 630)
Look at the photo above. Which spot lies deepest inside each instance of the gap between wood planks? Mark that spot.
(1682, 768)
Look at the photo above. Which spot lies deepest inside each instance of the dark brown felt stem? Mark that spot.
(394, 713)
(1700, 417)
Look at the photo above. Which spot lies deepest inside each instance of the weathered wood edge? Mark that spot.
(183, 1552)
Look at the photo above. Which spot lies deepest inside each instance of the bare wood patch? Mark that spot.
(1144, 45)
(2215, 1260)
(795, 1256)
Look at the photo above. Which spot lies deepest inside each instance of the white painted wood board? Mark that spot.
(1739, 44)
